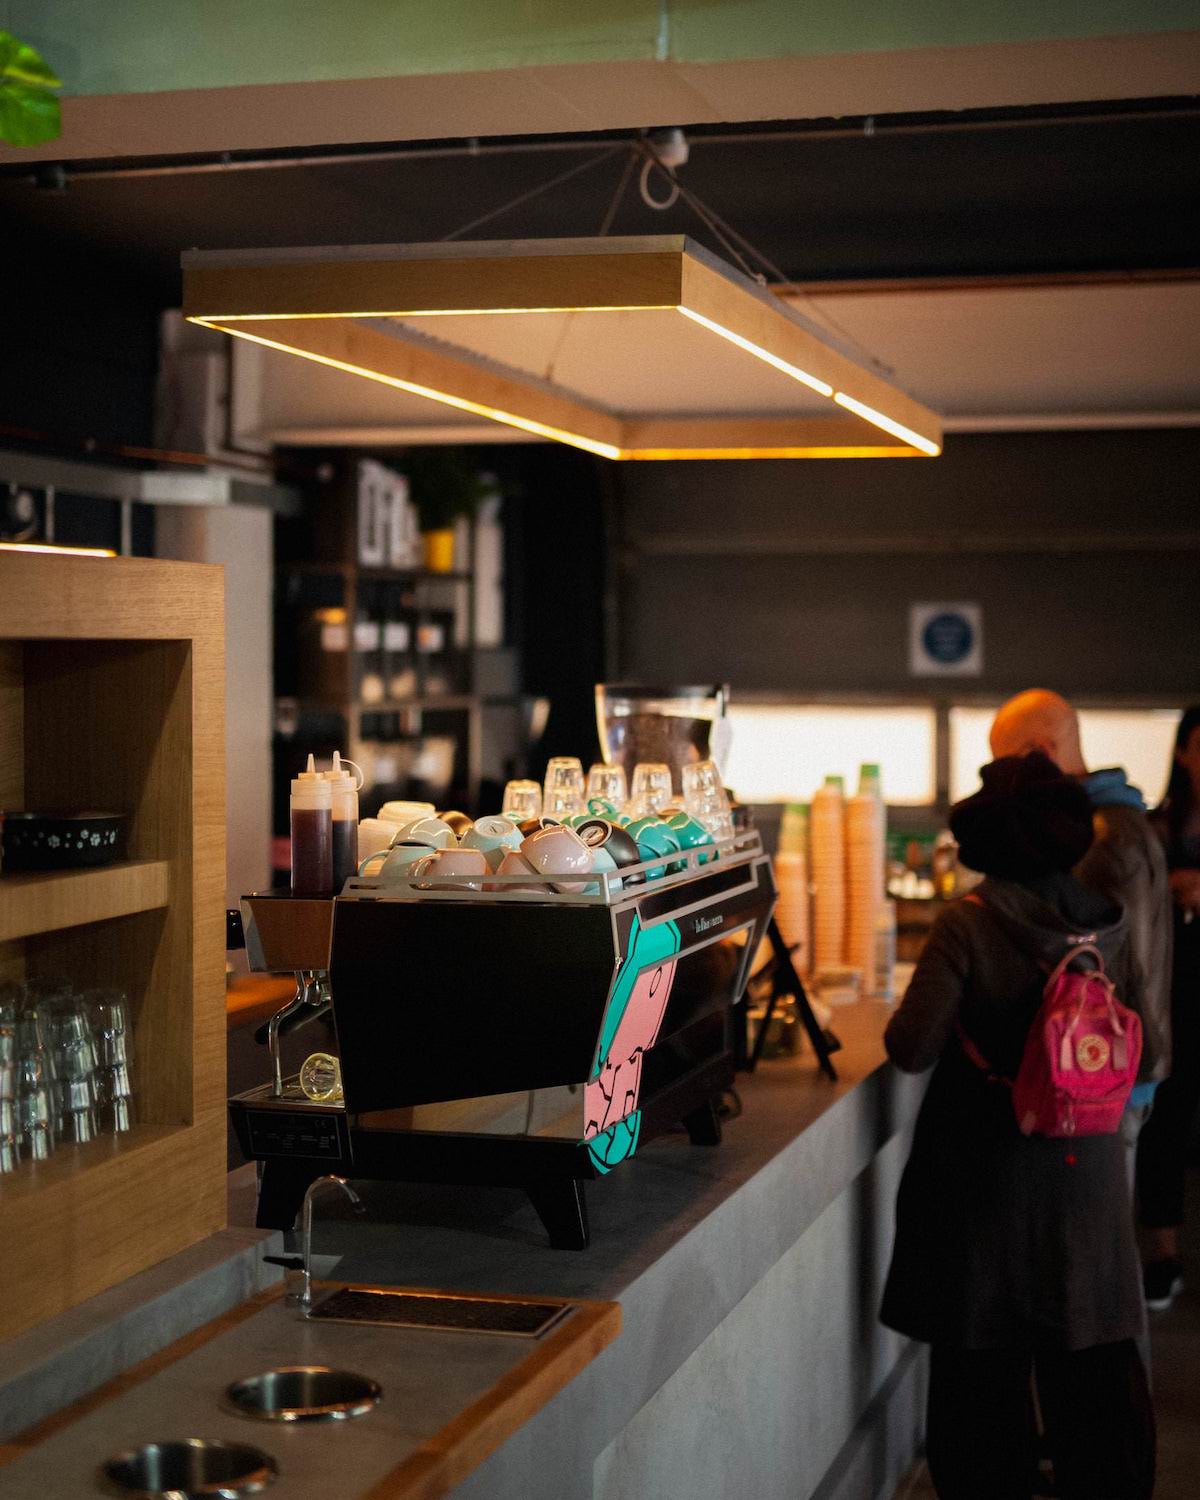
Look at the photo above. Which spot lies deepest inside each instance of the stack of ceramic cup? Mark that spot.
(827, 838)
(864, 873)
(791, 878)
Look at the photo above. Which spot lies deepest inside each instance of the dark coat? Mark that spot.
(1004, 1240)
(1126, 866)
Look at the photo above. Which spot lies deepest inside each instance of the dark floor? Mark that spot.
(1175, 1336)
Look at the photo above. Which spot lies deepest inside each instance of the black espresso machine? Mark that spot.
(529, 1038)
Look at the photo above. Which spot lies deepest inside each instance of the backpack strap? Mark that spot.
(1069, 958)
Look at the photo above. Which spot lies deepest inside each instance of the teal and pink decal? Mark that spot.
(632, 1021)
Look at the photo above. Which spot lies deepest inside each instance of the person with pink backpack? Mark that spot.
(1014, 1255)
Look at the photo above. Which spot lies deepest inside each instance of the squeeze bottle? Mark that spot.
(312, 833)
(344, 788)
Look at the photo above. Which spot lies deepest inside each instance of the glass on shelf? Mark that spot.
(34, 1089)
(651, 790)
(705, 798)
(113, 1039)
(9, 995)
(563, 792)
(607, 784)
(522, 799)
(75, 1063)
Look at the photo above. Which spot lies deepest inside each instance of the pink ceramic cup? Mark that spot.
(559, 851)
(514, 863)
(444, 863)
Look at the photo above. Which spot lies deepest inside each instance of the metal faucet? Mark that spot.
(306, 1224)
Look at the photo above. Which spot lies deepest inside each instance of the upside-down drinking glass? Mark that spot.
(705, 798)
(522, 799)
(607, 784)
(651, 790)
(562, 796)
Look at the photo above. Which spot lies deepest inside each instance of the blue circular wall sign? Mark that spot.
(948, 638)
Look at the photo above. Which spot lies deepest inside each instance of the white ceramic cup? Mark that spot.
(466, 866)
(402, 813)
(494, 837)
(558, 851)
(429, 830)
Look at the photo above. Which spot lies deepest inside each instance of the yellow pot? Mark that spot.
(439, 550)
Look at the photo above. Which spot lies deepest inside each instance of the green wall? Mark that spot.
(143, 46)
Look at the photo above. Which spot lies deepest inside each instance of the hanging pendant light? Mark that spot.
(635, 348)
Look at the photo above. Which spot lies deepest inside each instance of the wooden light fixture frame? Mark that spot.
(329, 306)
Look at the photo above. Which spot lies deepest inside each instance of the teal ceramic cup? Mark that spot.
(655, 838)
(493, 837)
(602, 860)
(393, 863)
(600, 807)
(691, 834)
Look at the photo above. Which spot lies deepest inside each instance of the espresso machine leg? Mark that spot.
(562, 1208)
(703, 1125)
(282, 1185)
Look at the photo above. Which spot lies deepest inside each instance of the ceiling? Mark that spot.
(1106, 188)
(1012, 356)
(942, 211)
(987, 359)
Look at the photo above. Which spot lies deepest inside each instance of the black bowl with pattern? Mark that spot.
(62, 840)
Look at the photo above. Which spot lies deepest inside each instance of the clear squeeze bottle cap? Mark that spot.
(339, 777)
(310, 788)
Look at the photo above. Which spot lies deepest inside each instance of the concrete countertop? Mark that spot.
(413, 1443)
(480, 1239)
(680, 1235)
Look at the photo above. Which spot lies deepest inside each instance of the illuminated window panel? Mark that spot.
(783, 752)
(1140, 739)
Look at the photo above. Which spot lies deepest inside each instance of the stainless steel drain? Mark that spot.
(462, 1314)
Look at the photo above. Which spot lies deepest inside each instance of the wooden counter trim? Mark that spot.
(442, 1460)
(138, 1374)
(446, 1458)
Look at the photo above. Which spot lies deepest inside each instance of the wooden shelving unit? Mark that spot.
(58, 899)
(112, 696)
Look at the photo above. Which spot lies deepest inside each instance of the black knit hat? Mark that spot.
(1026, 820)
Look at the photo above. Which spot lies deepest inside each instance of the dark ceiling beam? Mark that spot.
(58, 174)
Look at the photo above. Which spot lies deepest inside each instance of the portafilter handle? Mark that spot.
(310, 1001)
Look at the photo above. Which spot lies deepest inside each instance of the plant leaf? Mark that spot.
(23, 64)
(28, 116)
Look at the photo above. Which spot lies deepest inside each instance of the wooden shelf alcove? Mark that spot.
(112, 696)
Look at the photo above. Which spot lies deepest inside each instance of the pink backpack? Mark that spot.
(1081, 1055)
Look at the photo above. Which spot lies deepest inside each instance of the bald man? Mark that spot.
(1126, 863)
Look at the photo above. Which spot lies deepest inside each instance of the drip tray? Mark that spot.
(517, 1319)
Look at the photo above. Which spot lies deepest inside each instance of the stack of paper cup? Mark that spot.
(864, 874)
(791, 878)
(827, 839)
